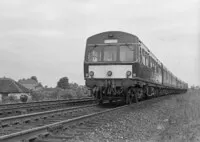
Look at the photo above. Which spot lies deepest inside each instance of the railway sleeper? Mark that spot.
(15, 123)
(27, 121)
(36, 138)
(70, 132)
(36, 119)
(44, 117)
(8, 112)
(9, 123)
(54, 129)
(54, 138)
(4, 125)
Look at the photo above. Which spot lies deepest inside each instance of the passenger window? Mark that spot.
(157, 69)
(147, 59)
(167, 76)
(153, 65)
(143, 57)
(140, 55)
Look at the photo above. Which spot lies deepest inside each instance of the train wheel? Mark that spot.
(147, 92)
(128, 98)
(156, 92)
(140, 94)
(100, 102)
(136, 97)
(150, 92)
(159, 92)
(99, 96)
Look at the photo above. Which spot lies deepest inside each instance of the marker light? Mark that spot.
(91, 73)
(128, 73)
(109, 73)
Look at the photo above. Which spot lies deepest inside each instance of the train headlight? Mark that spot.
(91, 73)
(128, 73)
(86, 75)
(109, 73)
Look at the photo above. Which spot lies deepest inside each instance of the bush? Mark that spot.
(23, 98)
(74, 91)
(37, 96)
(81, 91)
(10, 99)
(13, 98)
(67, 94)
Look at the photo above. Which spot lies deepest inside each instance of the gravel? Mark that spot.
(163, 119)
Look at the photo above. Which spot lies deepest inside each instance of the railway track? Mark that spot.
(24, 108)
(45, 125)
(59, 125)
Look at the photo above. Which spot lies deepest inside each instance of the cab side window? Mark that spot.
(157, 69)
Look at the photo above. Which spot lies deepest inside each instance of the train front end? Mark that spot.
(110, 65)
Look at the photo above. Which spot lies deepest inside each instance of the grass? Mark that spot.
(184, 119)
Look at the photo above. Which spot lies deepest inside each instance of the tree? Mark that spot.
(63, 83)
(192, 87)
(34, 78)
(197, 87)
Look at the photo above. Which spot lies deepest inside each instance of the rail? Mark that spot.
(14, 105)
(34, 133)
(23, 108)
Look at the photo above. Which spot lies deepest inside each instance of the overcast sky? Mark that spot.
(46, 38)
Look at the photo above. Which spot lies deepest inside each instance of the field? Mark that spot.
(174, 118)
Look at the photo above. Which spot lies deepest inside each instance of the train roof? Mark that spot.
(112, 32)
(123, 37)
(121, 34)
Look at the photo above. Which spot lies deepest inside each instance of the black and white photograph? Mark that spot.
(99, 70)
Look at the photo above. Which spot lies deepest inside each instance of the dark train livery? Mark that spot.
(118, 66)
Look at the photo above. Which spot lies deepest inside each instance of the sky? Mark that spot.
(46, 38)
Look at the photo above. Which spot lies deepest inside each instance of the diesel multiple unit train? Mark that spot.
(118, 66)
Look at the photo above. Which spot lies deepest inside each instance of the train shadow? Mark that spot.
(141, 104)
(114, 104)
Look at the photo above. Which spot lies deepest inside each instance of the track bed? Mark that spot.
(173, 118)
